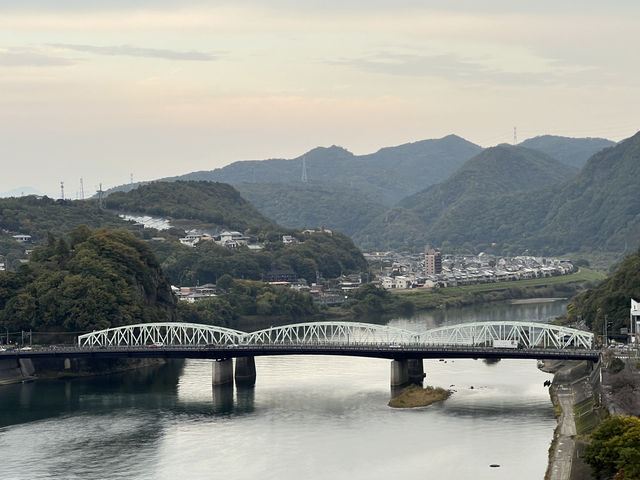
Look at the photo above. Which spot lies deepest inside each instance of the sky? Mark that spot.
(110, 91)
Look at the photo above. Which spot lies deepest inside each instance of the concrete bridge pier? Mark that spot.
(416, 370)
(222, 371)
(245, 371)
(399, 373)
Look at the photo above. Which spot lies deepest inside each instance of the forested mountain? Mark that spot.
(492, 173)
(610, 298)
(327, 254)
(40, 217)
(305, 205)
(214, 203)
(597, 210)
(390, 174)
(571, 151)
(98, 279)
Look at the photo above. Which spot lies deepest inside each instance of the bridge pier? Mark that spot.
(245, 372)
(222, 371)
(416, 370)
(399, 373)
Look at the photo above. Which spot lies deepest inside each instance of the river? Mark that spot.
(307, 418)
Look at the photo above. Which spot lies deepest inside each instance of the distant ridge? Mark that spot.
(494, 172)
(390, 174)
(571, 151)
(596, 211)
(21, 192)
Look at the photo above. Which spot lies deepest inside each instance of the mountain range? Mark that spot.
(548, 194)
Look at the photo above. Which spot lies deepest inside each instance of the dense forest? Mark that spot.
(312, 204)
(218, 204)
(94, 280)
(246, 298)
(594, 213)
(327, 254)
(610, 299)
(492, 174)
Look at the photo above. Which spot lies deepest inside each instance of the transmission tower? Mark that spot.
(304, 170)
(81, 189)
(62, 190)
(100, 192)
(515, 136)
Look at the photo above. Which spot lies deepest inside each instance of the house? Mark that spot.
(282, 276)
(190, 239)
(22, 238)
(403, 282)
(231, 239)
(388, 283)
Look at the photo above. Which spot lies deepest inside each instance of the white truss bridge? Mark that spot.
(527, 335)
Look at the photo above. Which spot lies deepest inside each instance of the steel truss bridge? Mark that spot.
(190, 340)
(468, 340)
(405, 348)
(527, 335)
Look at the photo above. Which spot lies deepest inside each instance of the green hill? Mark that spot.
(492, 173)
(611, 298)
(98, 279)
(304, 205)
(570, 151)
(217, 204)
(596, 211)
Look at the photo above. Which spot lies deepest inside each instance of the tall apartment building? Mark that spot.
(432, 261)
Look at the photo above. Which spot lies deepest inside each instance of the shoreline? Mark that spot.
(574, 384)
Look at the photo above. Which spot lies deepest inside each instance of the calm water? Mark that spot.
(307, 418)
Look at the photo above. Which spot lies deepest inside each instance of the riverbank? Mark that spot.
(26, 370)
(575, 396)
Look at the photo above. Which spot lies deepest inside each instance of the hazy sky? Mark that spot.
(106, 89)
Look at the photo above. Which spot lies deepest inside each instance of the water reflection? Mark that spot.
(521, 312)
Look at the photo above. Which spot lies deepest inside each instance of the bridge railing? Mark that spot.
(524, 334)
(333, 332)
(161, 333)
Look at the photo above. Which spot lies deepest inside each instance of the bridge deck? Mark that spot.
(359, 350)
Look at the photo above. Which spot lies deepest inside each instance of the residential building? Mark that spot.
(432, 261)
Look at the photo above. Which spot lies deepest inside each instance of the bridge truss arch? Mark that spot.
(168, 333)
(332, 333)
(527, 334)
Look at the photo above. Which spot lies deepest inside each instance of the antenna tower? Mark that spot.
(304, 170)
(81, 189)
(62, 190)
(100, 192)
(131, 179)
(515, 136)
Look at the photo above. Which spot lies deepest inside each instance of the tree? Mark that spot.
(615, 449)
(225, 282)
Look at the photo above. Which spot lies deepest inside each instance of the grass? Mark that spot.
(582, 275)
(470, 294)
(586, 416)
(415, 396)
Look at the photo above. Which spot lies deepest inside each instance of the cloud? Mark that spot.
(448, 66)
(29, 57)
(132, 51)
